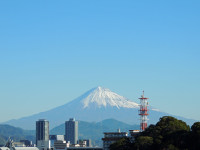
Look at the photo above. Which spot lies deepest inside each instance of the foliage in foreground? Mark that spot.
(168, 134)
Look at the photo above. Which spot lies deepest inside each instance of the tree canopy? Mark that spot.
(168, 133)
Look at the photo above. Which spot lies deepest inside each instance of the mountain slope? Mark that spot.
(16, 134)
(95, 105)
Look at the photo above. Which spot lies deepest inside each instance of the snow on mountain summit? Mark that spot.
(103, 97)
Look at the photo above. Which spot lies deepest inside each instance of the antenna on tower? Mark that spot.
(143, 94)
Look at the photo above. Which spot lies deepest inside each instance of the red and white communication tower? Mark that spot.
(143, 112)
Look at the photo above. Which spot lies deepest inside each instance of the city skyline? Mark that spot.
(52, 52)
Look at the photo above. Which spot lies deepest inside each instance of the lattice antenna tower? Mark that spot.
(143, 112)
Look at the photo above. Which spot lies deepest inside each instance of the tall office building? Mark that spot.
(71, 131)
(42, 130)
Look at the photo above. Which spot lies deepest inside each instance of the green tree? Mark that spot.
(168, 125)
(143, 143)
(122, 144)
(196, 128)
(168, 131)
(195, 136)
(172, 147)
(168, 134)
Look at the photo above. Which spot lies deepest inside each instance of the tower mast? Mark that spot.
(143, 112)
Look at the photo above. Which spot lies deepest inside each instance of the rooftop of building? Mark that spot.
(42, 120)
(115, 132)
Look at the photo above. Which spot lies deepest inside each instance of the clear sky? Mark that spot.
(53, 51)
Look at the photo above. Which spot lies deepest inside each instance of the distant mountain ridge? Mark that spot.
(87, 130)
(14, 133)
(95, 105)
(94, 131)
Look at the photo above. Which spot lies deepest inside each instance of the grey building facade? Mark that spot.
(42, 130)
(71, 131)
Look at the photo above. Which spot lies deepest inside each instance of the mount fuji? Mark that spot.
(93, 106)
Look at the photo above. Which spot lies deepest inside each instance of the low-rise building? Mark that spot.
(27, 143)
(63, 145)
(112, 137)
(54, 138)
(133, 134)
(85, 143)
(19, 144)
(60, 145)
(44, 145)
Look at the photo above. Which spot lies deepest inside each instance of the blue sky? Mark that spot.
(53, 51)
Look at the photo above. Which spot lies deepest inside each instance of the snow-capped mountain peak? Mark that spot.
(96, 104)
(103, 97)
